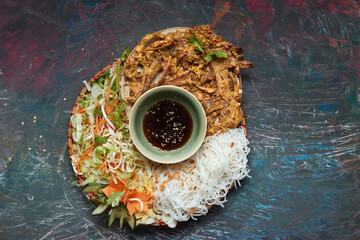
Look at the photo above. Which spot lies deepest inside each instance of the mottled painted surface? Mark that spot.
(302, 102)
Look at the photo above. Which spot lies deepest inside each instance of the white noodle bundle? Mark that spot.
(219, 164)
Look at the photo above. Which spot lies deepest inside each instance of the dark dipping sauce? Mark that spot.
(167, 125)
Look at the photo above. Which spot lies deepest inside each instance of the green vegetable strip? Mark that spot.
(100, 140)
(196, 42)
(199, 46)
(218, 54)
(114, 199)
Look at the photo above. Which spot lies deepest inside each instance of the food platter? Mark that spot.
(115, 176)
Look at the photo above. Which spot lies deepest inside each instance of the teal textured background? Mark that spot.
(302, 103)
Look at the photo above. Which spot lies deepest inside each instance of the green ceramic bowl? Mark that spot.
(181, 96)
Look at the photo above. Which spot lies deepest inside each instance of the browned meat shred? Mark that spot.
(169, 59)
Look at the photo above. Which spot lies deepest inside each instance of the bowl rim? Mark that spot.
(162, 159)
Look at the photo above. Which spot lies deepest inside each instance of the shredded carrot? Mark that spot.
(101, 170)
(135, 177)
(189, 170)
(191, 210)
(162, 186)
(192, 169)
(103, 166)
(97, 126)
(102, 121)
(85, 155)
(72, 150)
(109, 108)
(107, 95)
(80, 110)
(124, 180)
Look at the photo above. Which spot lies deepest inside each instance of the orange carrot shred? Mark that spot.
(80, 110)
(102, 121)
(107, 95)
(97, 125)
(191, 210)
(135, 178)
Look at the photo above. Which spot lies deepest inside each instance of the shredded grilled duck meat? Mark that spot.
(169, 59)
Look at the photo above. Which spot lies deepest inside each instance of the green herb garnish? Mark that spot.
(218, 54)
(100, 140)
(97, 112)
(84, 101)
(125, 54)
(101, 79)
(115, 87)
(196, 42)
(117, 117)
(199, 46)
(114, 199)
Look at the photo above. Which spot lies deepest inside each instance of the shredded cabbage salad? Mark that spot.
(102, 152)
(101, 139)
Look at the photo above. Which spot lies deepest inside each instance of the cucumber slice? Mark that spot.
(111, 216)
(100, 209)
(100, 198)
(122, 216)
(92, 187)
(131, 221)
(100, 190)
(118, 211)
(126, 212)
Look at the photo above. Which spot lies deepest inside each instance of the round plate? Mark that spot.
(124, 92)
